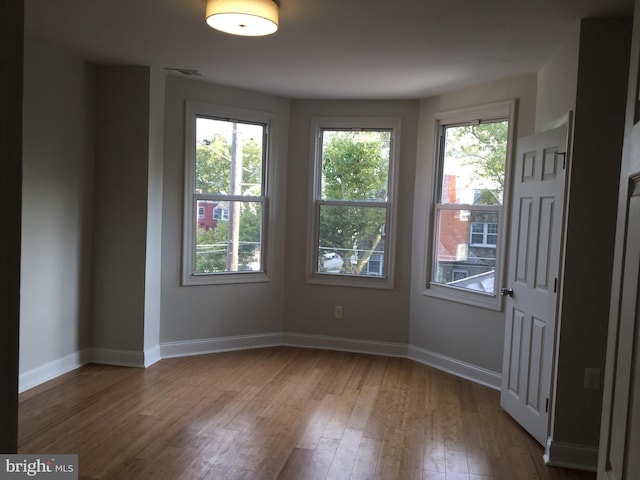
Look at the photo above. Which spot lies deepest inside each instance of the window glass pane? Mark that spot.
(355, 165)
(458, 261)
(229, 157)
(232, 244)
(351, 240)
(473, 164)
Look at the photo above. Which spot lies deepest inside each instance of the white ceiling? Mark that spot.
(326, 48)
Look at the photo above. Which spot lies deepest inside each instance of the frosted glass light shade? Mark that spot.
(243, 17)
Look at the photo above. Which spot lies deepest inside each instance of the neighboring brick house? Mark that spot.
(467, 246)
(210, 213)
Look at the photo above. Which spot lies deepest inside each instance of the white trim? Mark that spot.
(122, 358)
(152, 356)
(391, 205)
(372, 347)
(131, 358)
(456, 367)
(267, 119)
(187, 348)
(571, 455)
(49, 371)
(487, 112)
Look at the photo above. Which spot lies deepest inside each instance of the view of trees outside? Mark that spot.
(473, 174)
(353, 201)
(475, 155)
(229, 163)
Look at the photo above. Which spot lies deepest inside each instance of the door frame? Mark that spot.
(619, 375)
(567, 118)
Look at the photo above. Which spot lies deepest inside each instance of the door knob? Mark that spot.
(506, 291)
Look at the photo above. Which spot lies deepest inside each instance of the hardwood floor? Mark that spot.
(279, 413)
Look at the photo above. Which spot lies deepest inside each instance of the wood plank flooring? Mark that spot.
(279, 413)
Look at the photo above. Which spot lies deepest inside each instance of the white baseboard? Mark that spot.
(131, 358)
(152, 356)
(223, 344)
(123, 358)
(456, 367)
(51, 370)
(344, 344)
(571, 455)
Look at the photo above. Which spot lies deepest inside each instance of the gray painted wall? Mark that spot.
(211, 311)
(557, 82)
(369, 314)
(132, 172)
(470, 334)
(121, 192)
(57, 205)
(592, 202)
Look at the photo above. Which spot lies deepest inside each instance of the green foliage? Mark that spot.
(354, 165)
(354, 168)
(483, 148)
(211, 249)
(251, 167)
(354, 233)
(213, 166)
(213, 176)
(212, 244)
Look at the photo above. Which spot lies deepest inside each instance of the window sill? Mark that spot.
(350, 281)
(225, 278)
(458, 295)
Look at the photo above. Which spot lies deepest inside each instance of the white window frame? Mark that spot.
(485, 234)
(224, 214)
(476, 114)
(376, 257)
(318, 124)
(189, 277)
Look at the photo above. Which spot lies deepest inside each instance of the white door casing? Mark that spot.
(532, 278)
(620, 432)
(621, 462)
(620, 427)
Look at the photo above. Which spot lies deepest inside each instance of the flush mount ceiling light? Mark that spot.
(251, 18)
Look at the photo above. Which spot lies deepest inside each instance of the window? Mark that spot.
(471, 181)
(225, 195)
(484, 235)
(374, 265)
(220, 213)
(352, 241)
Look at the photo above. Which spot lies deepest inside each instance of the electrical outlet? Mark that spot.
(592, 378)
(337, 311)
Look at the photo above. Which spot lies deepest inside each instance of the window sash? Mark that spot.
(217, 258)
(321, 200)
(386, 202)
(189, 275)
(436, 261)
(481, 114)
(352, 204)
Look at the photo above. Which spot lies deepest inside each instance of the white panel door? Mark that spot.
(532, 278)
